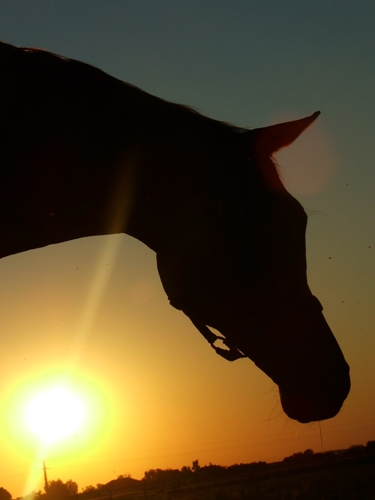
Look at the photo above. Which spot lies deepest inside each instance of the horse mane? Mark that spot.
(224, 137)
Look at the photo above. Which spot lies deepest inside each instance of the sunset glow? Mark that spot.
(55, 413)
(100, 376)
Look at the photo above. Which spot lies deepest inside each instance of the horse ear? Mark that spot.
(268, 140)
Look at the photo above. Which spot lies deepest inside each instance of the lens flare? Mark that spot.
(310, 162)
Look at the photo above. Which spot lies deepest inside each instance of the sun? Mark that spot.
(54, 413)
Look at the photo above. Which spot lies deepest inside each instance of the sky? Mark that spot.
(92, 313)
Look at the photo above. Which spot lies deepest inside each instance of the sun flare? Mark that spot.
(54, 413)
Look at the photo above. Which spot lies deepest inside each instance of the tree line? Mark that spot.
(58, 490)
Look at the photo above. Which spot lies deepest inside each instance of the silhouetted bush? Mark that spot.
(4, 494)
(57, 490)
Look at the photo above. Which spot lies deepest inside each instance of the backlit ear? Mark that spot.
(268, 140)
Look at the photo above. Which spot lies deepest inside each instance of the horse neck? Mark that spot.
(89, 155)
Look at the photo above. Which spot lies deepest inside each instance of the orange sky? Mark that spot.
(93, 311)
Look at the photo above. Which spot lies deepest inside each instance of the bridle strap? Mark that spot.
(230, 354)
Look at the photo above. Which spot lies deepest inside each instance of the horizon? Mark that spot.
(125, 476)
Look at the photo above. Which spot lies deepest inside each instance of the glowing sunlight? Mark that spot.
(60, 411)
(55, 413)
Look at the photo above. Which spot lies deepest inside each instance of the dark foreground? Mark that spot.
(344, 478)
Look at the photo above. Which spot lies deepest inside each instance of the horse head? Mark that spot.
(246, 278)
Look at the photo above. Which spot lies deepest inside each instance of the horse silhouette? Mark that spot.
(83, 154)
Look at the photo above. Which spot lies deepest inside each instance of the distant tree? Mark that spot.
(355, 449)
(4, 494)
(124, 476)
(57, 490)
(294, 458)
(309, 452)
(195, 467)
(213, 469)
(186, 471)
(88, 489)
(150, 475)
(72, 487)
(161, 474)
